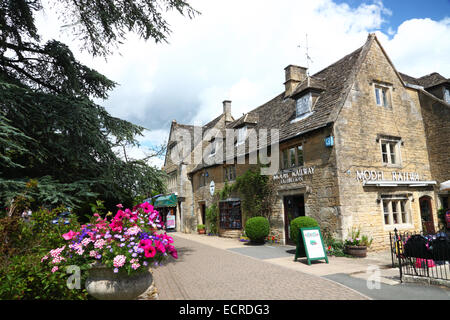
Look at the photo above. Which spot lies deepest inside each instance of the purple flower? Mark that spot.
(116, 270)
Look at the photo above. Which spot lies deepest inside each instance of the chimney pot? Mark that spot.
(227, 110)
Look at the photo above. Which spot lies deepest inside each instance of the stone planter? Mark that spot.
(356, 251)
(103, 284)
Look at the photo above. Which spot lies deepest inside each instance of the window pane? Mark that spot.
(285, 159)
(304, 104)
(385, 101)
(384, 152)
(292, 157)
(403, 210)
(377, 95)
(392, 147)
(386, 212)
(447, 95)
(213, 147)
(300, 155)
(395, 211)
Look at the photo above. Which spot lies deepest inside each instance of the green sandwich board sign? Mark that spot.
(312, 246)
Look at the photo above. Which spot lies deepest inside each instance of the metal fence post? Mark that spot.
(397, 248)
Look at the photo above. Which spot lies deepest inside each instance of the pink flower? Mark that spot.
(99, 243)
(133, 231)
(173, 252)
(135, 266)
(69, 235)
(149, 252)
(147, 207)
(119, 206)
(93, 253)
(54, 269)
(119, 261)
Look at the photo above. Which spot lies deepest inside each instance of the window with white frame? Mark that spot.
(303, 104)
(382, 96)
(390, 152)
(396, 210)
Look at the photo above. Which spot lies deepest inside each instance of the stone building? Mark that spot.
(359, 145)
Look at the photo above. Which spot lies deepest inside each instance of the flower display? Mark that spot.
(127, 243)
(356, 239)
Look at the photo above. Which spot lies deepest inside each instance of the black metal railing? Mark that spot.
(421, 255)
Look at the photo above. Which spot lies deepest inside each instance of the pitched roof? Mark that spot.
(427, 81)
(280, 112)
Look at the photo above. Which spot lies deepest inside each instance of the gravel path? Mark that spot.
(203, 272)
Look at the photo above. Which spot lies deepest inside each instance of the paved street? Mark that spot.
(204, 272)
(213, 268)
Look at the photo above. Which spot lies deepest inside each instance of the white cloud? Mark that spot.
(420, 47)
(237, 50)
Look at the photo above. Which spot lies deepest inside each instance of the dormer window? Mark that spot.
(242, 134)
(447, 95)
(303, 104)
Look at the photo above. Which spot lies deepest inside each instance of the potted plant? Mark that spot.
(356, 245)
(201, 229)
(117, 254)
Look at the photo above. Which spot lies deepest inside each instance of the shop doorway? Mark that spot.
(203, 212)
(294, 206)
(426, 215)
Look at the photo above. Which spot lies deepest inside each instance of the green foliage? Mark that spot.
(225, 191)
(301, 222)
(26, 278)
(257, 193)
(51, 130)
(200, 227)
(333, 246)
(23, 244)
(212, 218)
(257, 229)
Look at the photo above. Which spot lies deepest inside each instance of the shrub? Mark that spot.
(301, 222)
(212, 216)
(200, 227)
(257, 229)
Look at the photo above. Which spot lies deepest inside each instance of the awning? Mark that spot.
(166, 201)
(445, 186)
(389, 183)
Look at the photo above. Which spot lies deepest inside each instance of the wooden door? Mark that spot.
(426, 214)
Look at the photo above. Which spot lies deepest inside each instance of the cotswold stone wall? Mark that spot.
(357, 131)
(436, 117)
(320, 189)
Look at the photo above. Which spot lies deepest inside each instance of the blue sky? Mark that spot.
(402, 10)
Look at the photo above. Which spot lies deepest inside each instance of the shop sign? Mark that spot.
(297, 175)
(312, 244)
(372, 175)
(170, 221)
(212, 187)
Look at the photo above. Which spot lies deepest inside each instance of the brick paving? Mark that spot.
(204, 272)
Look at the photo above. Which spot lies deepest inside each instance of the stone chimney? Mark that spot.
(227, 110)
(294, 75)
